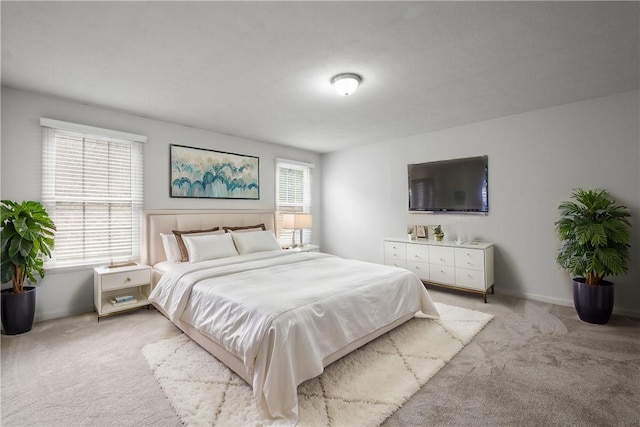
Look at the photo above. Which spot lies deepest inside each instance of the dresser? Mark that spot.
(464, 266)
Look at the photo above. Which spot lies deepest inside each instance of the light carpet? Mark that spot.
(363, 388)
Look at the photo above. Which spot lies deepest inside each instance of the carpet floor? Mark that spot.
(363, 388)
(534, 364)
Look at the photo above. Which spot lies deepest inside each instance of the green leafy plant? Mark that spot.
(595, 235)
(437, 231)
(27, 234)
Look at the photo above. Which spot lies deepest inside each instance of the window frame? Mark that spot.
(285, 236)
(54, 133)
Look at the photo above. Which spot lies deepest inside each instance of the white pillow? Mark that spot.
(171, 249)
(255, 241)
(209, 246)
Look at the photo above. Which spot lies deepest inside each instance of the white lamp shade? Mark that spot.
(303, 221)
(346, 84)
(289, 221)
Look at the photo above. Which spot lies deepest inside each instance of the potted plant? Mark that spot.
(27, 235)
(595, 235)
(438, 233)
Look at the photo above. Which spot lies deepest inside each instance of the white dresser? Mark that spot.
(465, 266)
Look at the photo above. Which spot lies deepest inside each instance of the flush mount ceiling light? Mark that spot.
(347, 83)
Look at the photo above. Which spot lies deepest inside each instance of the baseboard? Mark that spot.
(60, 313)
(536, 297)
(566, 302)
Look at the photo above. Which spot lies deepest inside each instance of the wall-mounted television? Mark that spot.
(456, 185)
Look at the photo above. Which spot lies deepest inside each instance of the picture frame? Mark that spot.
(421, 232)
(201, 173)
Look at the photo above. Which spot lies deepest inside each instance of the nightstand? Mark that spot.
(305, 248)
(111, 283)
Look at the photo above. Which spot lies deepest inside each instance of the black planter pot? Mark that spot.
(18, 310)
(594, 304)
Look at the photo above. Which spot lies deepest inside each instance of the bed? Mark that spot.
(275, 317)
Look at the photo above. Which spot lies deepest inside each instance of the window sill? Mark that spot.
(61, 269)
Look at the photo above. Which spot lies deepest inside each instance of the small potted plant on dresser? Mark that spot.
(27, 235)
(438, 233)
(595, 235)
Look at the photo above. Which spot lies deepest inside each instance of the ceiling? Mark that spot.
(261, 70)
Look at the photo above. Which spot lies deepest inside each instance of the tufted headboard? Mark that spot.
(164, 221)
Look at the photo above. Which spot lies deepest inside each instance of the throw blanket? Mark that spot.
(283, 313)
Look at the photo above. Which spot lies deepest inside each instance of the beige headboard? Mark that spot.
(164, 221)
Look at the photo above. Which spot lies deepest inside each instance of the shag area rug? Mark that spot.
(363, 388)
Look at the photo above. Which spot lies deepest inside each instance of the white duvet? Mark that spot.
(283, 313)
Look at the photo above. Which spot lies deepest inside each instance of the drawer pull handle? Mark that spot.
(127, 280)
(442, 259)
(468, 254)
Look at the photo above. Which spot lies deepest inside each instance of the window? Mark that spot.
(92, 187)
(293, 195)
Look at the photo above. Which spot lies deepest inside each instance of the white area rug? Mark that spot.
(363, 388)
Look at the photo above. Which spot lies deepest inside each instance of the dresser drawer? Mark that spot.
(421, 269)
(395, 250)
(441, 256)
(442, 274)
(417, 253)
(470, 258)
(125, 279)
(468, 278)
(395, 262)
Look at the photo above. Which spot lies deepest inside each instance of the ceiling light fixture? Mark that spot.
(347, 83)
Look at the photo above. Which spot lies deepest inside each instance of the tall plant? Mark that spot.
(595, 235)
(27, 234)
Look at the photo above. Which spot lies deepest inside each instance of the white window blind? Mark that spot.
(92, 186)
(293, 195)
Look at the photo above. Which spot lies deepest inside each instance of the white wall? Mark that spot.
(69, 292)
(535, 160)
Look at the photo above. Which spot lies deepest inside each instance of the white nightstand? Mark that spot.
(109, 283)
(305, 248)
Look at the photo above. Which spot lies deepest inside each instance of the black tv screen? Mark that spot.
(457, 185)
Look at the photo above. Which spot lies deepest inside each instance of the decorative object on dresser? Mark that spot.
(595, 235)
(202, 173)
(120, 288)
(27, 236)
(421, 232)
(411, 232)
(467, 267)
(438, 233)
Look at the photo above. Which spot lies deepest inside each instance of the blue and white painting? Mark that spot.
(201, 173)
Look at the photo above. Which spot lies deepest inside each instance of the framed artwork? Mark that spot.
(421, 232)
(210, 174)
